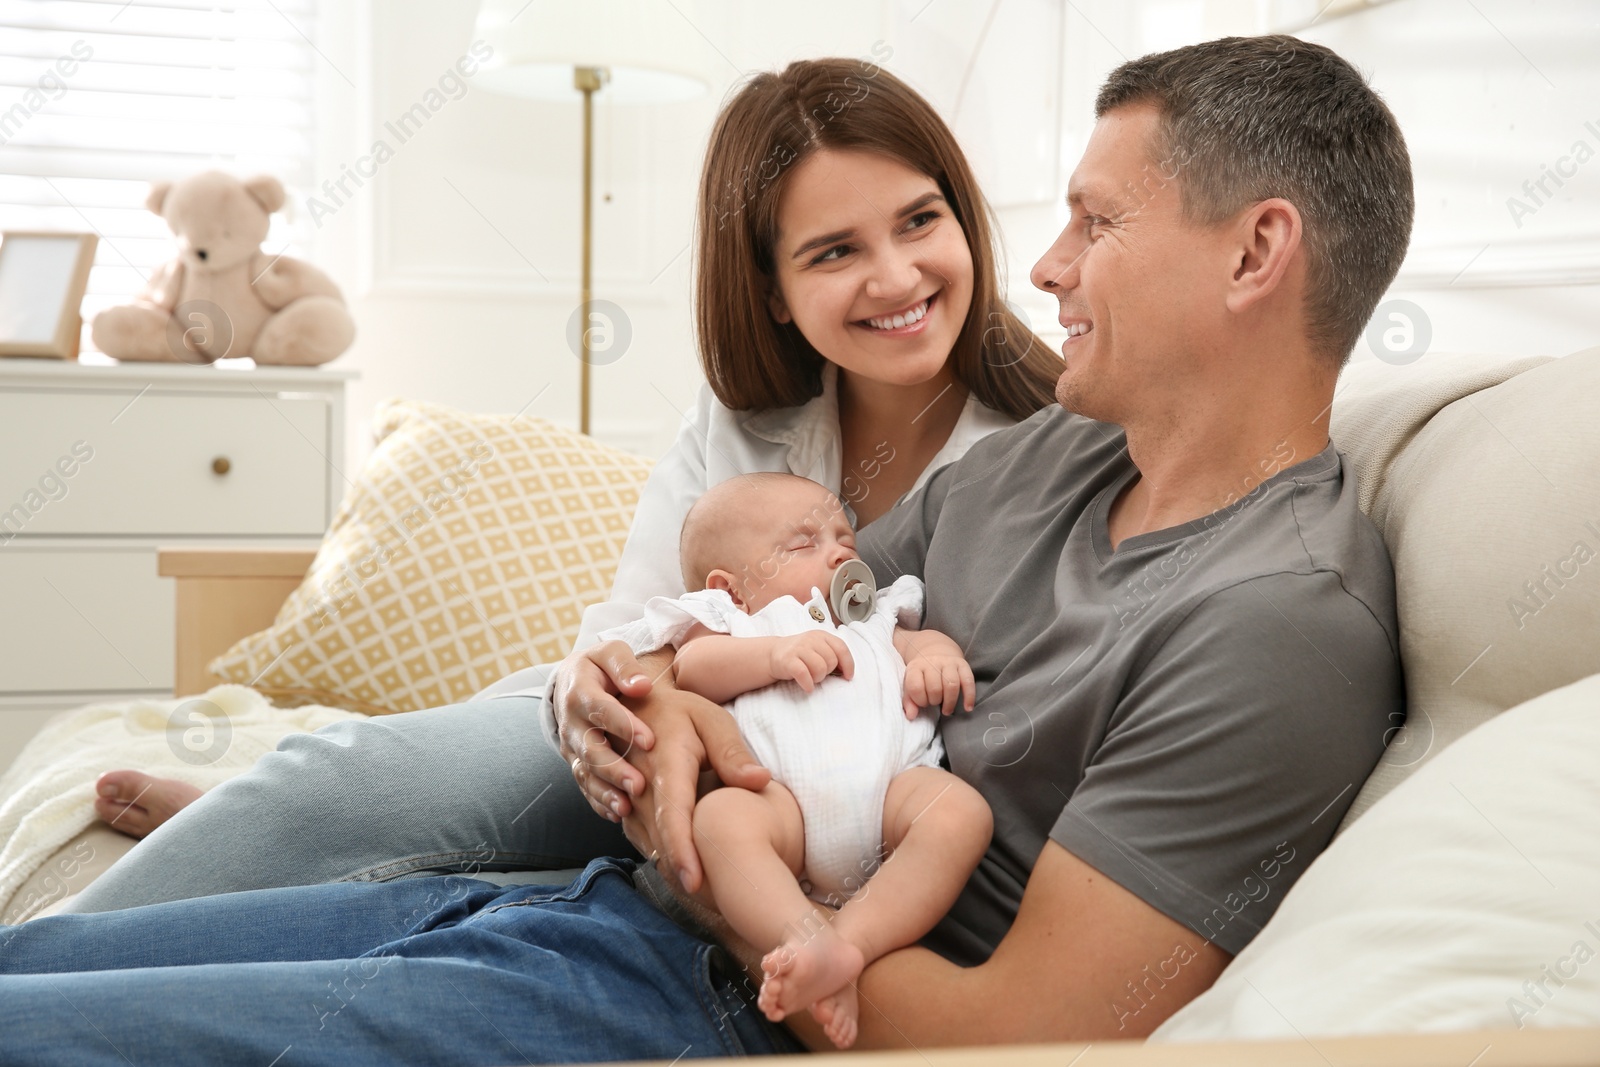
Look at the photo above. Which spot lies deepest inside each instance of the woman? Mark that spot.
(851, 330)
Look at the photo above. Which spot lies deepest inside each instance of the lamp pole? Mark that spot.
(586, 80)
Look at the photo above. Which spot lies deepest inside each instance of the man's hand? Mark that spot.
(692, 733)
(937, 674)
(810, 657)
(665, 739)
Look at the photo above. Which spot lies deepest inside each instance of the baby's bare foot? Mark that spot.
(838, 1013)
(802, 971)
(136, 803)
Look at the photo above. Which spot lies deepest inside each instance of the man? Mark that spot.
(1182, 627)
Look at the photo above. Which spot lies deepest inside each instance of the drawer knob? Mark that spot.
(221, 465)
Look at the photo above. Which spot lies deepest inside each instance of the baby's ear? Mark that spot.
(724, 580)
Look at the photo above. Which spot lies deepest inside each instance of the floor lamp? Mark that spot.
(635, 51)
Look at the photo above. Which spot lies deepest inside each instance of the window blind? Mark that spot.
(100, 97)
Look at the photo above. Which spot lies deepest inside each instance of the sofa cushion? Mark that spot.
(466, 548)
(1379, 408)
(1482, 477)
(1465, 899)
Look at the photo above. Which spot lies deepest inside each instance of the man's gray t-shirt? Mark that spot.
(1190, 714)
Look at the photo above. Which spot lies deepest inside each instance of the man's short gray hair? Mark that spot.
(1246, 119)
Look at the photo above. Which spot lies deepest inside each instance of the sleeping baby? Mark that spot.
(834, 710)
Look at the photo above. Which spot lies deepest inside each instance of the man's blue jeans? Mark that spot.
(435, 970)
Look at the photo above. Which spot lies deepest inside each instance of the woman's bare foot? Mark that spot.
(814, 971)
(136, 803)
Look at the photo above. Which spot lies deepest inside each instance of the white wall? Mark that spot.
(1487, 94)
(460, 256)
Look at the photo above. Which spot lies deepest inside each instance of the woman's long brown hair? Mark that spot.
(769, 126)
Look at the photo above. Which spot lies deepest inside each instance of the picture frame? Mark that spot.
(43, 276)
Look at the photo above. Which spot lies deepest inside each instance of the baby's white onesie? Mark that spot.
(835, 748)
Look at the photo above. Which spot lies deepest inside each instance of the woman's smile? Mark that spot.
(904, 322)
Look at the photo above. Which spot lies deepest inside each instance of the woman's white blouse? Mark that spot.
(716, 444)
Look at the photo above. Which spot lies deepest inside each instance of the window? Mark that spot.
(100, 97)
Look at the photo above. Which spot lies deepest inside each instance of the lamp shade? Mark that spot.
(652, 48)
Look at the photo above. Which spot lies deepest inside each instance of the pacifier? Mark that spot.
(853, 592)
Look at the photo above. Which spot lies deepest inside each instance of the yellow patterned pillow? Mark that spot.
(467, 548)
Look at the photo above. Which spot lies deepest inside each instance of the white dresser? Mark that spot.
(98, 466)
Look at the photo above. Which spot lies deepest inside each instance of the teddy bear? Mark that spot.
(222, 295)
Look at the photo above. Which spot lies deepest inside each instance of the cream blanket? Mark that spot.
(47, 795)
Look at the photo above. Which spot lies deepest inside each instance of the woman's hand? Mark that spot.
(589, 716)
(667, 738)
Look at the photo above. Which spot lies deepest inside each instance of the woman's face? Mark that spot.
(871, 266)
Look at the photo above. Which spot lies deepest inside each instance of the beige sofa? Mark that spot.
(1483, 475)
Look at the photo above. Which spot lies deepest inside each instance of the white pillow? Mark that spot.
(1482, 477)
(1467, 898)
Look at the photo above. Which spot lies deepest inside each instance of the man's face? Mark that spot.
(1140, 288)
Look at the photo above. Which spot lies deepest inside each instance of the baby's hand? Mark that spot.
(810, 657)
(937, 674)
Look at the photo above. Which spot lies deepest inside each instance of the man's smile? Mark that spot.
(1076, 328)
